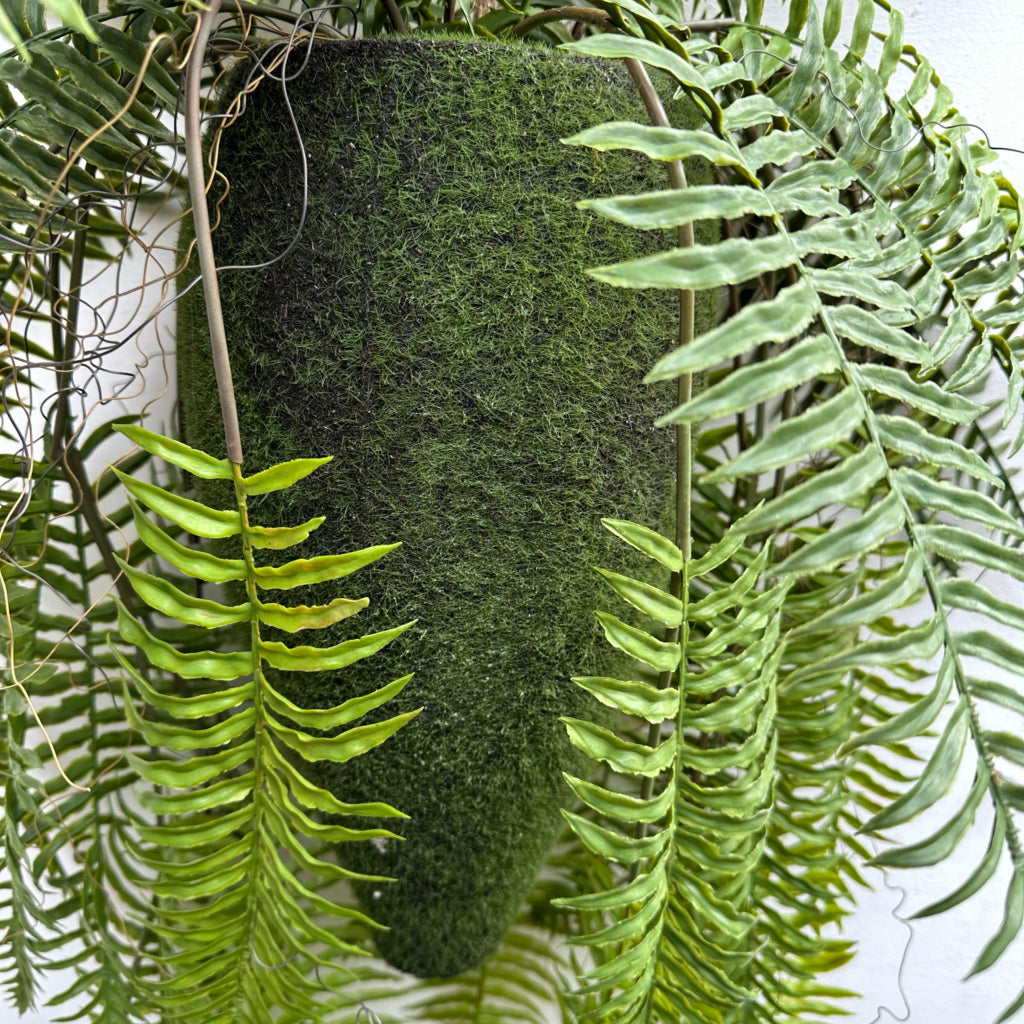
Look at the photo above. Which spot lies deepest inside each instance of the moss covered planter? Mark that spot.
(433, 330)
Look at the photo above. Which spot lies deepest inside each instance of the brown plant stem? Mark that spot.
(579, 14)
(395, 17)
(65, 335)
(684, 389)
(710, 25)
(203, 236)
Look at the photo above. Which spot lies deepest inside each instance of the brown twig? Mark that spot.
(684, 389)
(204, 238)
(710, 26)
(395, 17)
(579, 14)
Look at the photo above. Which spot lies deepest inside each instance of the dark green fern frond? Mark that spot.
(64, 766)
(24, 919)
(79, 113)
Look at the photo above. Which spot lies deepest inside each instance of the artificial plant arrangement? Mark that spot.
(806, 628)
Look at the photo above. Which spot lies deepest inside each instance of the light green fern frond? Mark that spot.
(520, 981)
(680, 933)
(225, 849)
(839, 410)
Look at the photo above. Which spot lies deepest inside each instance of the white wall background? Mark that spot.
(977, 47)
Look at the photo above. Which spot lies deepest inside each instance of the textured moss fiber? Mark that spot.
(433, 330)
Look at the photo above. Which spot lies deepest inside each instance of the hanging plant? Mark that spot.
(431, 327)
(782, 616)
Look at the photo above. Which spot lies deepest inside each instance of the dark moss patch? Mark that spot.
(434, 331)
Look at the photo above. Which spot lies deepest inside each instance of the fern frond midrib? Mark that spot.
(1014, 837)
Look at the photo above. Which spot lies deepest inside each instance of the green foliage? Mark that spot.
(227, 847)
(710, 912)
(65, 901)
(804, 680)
(488, 415)
(520, 981)
(877, 310)
(79, 124)
(69, 12)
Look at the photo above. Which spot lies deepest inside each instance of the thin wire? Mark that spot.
(91, 362)
(881, 1008)
(264, 67)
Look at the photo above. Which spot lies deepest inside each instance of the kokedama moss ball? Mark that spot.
(434, 331)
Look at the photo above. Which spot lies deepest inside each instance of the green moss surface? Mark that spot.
(433, 330)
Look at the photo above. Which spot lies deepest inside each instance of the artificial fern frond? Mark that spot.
(56, 536)
(862, 363)
(233, 809)
(60, 836)
(680, 919)
(24, 916)
(89, 91)
(69, 12)
(519, 982)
